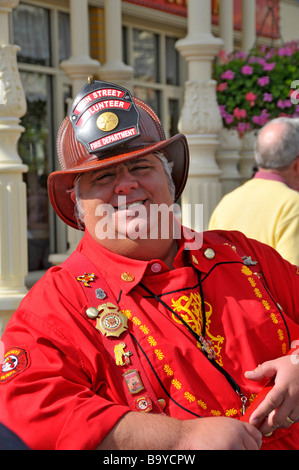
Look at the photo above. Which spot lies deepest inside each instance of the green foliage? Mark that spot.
(255, 88)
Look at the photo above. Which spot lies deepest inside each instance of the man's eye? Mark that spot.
(104, 176)
(140, 167)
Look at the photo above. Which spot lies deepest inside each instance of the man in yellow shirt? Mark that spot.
(266, 207)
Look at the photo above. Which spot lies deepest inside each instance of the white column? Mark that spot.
(228, 158)
(200, 118)
(247, 163)
(247, 160)
(226, 24)
(78, 67)
(114, 69)
(248, 24)
(13, 219)
(228, 155)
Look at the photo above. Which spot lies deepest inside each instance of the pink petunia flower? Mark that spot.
(229, 118)
(240, 113)
(262, 119)
(241, 55)
(252, 60)
(287, 103)
(262, 81)
(282, 104)
(242, 127)
(251, 97)
(268, 97)
(247, 70)
(228, 75)
(285, 51)
(261, 61)
(222, 86)
(268, 67)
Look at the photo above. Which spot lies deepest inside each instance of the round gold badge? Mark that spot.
(111, 321)
(106, 122)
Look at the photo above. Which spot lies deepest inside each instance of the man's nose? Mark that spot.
(125, 183)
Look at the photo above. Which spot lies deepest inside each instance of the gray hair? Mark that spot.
(168, 166)
(282, 151)
(79, 212)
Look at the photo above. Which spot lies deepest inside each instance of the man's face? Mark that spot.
(118, 202)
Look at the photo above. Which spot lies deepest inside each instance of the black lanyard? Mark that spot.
(205, 344)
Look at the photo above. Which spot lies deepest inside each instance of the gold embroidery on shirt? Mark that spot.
(190, 310)
(252, 397)
(168, 369)
(159, 354)
(176, 384)
(231, 412)
(258, 293)
(189, 397)
(215, 413)
(145, 329)
(152, 341)
(202, 404)
(274, 318)
(136, 321)
(245, 270)
(127, 313)
(266, 304)
(280, 334)
(252, 281)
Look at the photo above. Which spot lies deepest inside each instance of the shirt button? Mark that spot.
(156, 267)
(209, 253)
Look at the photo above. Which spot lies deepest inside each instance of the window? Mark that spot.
(43, 35)
(157, 72)
(64, 36)
(172, 63)
(32, 34)
(146, 56)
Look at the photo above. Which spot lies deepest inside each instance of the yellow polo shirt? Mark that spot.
(264, 209)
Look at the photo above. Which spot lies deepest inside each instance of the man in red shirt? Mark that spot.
(149, 336)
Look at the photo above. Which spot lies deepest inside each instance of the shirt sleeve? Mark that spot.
(54, 388)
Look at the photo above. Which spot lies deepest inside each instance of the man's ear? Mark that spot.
(73, 195)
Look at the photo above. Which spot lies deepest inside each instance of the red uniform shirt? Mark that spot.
(58, 385)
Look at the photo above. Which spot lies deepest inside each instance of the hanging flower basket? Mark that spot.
(255, 88)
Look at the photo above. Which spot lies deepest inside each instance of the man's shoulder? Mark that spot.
(234, 238)
(56, 284)
(223, 236)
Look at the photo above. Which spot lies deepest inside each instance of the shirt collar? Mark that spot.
(117, 269)
(265, 175)
(194, 249)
